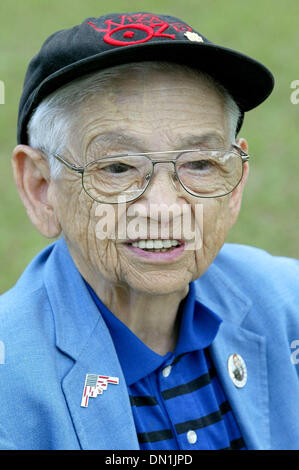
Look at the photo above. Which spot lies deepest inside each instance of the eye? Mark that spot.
(117, 168)
(199, 165)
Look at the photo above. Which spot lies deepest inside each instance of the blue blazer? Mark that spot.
(52, 335)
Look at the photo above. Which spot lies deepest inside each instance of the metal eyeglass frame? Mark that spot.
(80, 169)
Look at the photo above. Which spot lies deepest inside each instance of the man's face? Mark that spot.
(157, 112)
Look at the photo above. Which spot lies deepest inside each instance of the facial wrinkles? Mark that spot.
(75, 210)
(156, 114)
(159, 114)
(215, 227)
(79, 227)
(208, 120)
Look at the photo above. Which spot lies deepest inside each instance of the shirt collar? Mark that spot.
(199, 326)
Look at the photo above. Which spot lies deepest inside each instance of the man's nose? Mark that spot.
(164, 187)
(162, 204)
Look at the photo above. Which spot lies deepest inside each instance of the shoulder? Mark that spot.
(31, 366)
(27, 335)
(20, 310)
(256, 270)
(244, 279)
(262, 286)
(25, 312)
(253, 257)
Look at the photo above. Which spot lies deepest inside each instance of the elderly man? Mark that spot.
(140, 328)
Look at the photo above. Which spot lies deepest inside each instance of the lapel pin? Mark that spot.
(95, 385)
(237, 370)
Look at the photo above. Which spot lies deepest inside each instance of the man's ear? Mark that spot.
(32, 177)
(236, 195)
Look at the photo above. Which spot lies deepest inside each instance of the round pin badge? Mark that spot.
(237, 370)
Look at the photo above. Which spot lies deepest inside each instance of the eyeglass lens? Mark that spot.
(202, 173)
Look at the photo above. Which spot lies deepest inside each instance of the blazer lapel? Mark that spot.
(81, 333)
(250, 404)
(107, 422)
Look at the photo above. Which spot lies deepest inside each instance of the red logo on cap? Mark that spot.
(151, 25)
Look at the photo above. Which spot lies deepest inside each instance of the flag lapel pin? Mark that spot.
(95, 385)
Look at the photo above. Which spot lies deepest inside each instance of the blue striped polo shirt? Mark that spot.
(177, 400)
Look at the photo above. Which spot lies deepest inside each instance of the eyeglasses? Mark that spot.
(124, 178)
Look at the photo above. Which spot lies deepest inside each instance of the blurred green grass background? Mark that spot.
(264, 29)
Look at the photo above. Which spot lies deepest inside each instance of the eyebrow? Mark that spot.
(210, 138)
(180, 142)
(116, 137)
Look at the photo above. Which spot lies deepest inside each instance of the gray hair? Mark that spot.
(49, 128)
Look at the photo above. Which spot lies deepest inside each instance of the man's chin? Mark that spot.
(160, 283)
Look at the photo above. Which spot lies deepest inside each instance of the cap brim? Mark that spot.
(248, 81)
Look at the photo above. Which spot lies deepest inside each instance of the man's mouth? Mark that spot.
(156, 245)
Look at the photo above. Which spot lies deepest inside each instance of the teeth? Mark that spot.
(155, 244)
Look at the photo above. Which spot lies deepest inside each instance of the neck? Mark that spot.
(152, 318)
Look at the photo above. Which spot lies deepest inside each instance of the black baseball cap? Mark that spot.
(119, 38)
